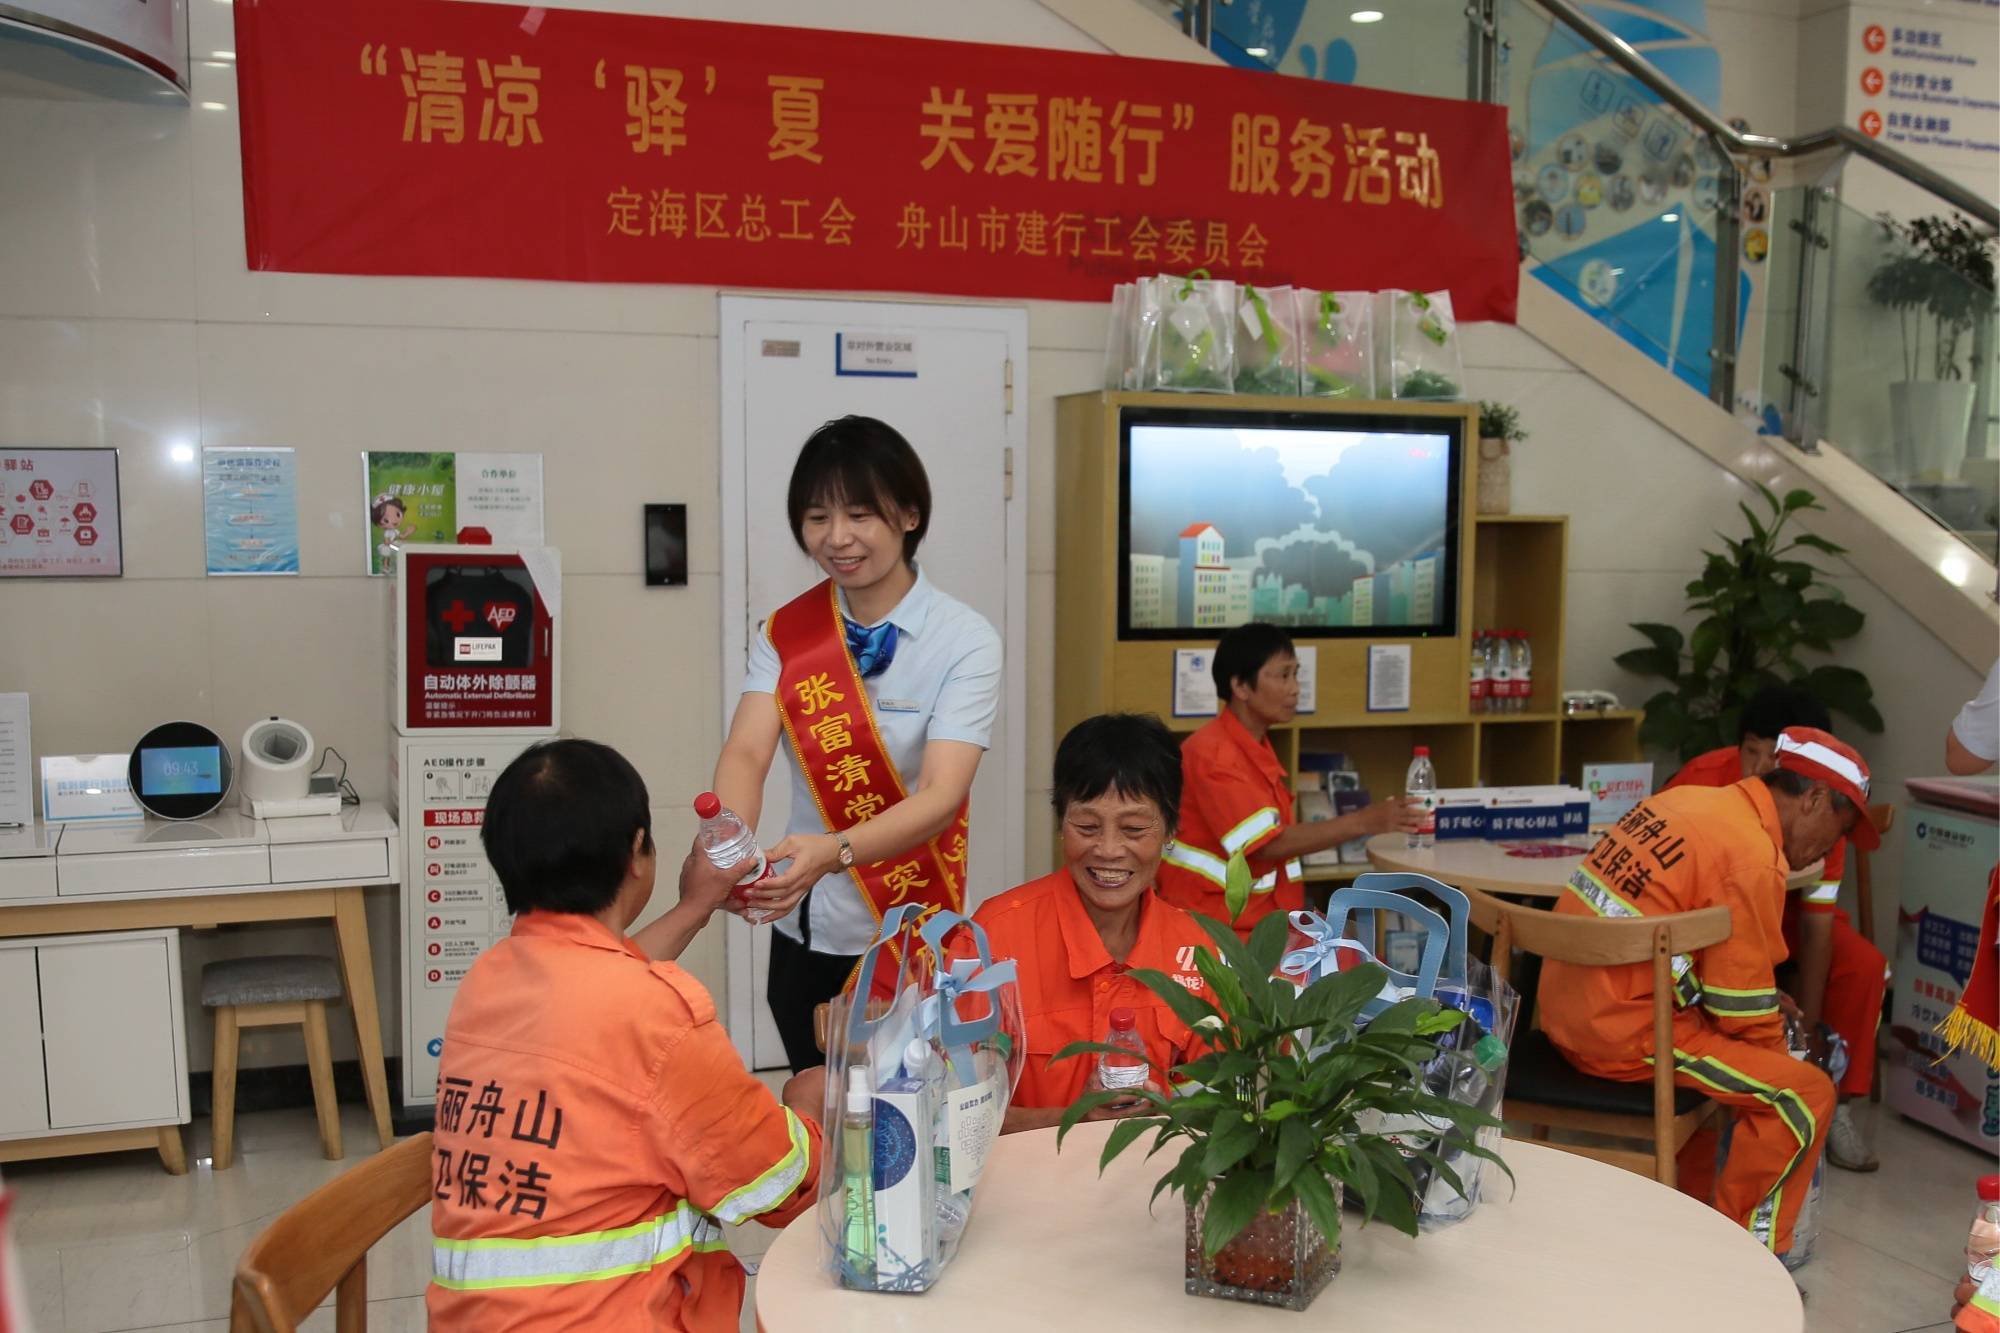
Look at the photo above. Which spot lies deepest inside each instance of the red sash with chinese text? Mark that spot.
(831, 726)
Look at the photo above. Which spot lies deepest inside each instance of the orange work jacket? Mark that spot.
(1235, 797)
(1070, 984)
(1680, 850)
(593, 1125)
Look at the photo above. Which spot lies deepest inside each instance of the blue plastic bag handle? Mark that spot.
(859, 1025)
(1458, 909)
(1363, 902)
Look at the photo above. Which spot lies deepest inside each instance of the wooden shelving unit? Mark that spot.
(1511, 576)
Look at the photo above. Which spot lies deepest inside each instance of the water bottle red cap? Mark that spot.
(707, 805)
(1989, 1189)
(1422, 751)
(1124, 1019)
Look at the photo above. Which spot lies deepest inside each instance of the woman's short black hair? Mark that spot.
(1242, 652)
(860, 461)
(559, 826)
(1131, 753)
(1775, 707)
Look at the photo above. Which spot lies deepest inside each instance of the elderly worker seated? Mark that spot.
(1696, 847)
(593, 1121)
(1079, 932)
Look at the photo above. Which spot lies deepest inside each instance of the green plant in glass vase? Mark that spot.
(1761, 603)
(1291, 1106)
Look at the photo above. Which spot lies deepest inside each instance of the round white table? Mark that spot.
(1520, 867)
(1580, 1246)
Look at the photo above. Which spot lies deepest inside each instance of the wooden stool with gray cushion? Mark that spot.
(268, 992)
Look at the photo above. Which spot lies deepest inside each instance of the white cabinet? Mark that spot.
(91, 1033)
(24, 1103)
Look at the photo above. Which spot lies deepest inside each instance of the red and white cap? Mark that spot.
(1817, 755)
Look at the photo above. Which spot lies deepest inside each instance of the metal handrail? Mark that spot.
(1622, 54)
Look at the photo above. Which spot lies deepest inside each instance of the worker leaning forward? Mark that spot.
(1733, 847)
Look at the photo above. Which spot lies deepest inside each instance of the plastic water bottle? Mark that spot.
(1524, 670)
(1127, 1069)
(1982, 1247)
(729, 843)
(1421, 786)
(1480, 647)
(1499, 673)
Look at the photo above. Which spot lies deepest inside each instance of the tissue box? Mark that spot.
(1512, 812)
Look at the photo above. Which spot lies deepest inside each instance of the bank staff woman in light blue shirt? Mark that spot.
(859, 504)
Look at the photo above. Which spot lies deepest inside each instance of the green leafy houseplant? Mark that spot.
(1761, 604)
(1281, 1104)
(1945, 273)
(1498, 421)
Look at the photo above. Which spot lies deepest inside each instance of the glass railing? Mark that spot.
(1887, 351)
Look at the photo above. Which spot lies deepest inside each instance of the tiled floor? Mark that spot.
(113, 1243)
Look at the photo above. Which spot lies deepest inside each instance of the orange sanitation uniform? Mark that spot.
(1857, 974)
(593, 1126)
(1678, 851)
(1235, 797)
(1070, 985)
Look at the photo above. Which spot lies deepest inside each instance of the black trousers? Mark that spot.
(800, 981)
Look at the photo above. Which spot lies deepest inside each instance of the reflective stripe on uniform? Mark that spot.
(1791, 1109)
(1295, 870)
(1251, 829)
(1599, 898)
(1738, 1003)
(775, 1185)
(1826, 892)
(1194, 860)
(485, 1265)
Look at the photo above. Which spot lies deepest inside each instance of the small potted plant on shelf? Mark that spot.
(1937, 275)
(1499, 431)
(1287, 1115)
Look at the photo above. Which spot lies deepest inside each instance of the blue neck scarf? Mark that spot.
(873, 648)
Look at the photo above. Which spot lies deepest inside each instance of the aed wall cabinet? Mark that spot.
(93, 1043)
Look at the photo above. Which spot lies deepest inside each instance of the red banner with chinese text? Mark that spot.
(422, 137)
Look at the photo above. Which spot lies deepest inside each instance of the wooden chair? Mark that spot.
(1883, 817)
(320, 1244)
(1544, 1090)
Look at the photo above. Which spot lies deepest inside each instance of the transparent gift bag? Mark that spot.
(923, 1054)
(1121, 339)
(1267, 341)
(1187, 333)
(1471, 1062)
(1336, 343)
(1424, 360)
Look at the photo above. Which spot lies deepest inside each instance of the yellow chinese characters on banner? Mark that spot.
(436, 93)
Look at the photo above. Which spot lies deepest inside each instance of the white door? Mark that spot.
(24, 1094)
(780, 380)
(109, 1018)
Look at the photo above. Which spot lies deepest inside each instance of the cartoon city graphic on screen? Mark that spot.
(1305, 528)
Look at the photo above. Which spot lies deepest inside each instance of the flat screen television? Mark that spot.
(1333, 525)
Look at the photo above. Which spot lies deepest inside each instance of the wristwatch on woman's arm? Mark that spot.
(846, 850)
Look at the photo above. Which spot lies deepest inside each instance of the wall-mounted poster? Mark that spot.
(250, 511)
(59, 514)
(419, 498)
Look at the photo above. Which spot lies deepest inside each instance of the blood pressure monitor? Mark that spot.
(180, 770)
